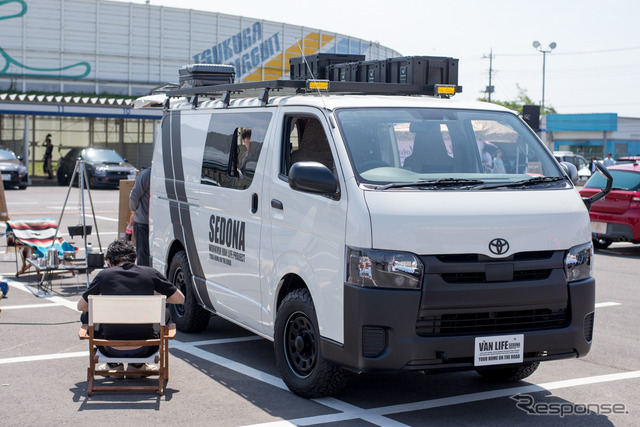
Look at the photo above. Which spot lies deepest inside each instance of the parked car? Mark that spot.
(104, 166)
(616, 218)
(14, 172)
(580, 163)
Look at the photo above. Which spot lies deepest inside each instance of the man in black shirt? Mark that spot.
(123, 277)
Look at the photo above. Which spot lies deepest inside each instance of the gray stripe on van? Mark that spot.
(179, 209)
(168, 136)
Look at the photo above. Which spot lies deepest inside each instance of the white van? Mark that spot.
(365, 232)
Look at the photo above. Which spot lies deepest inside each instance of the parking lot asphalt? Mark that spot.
(225, 376)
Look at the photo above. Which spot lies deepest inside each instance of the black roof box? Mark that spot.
(196, 75)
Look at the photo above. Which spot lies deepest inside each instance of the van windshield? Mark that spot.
(425, 147)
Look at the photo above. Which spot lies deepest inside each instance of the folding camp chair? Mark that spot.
(34, 237)
(108, 309)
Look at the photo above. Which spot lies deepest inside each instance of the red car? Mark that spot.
(628, 159)
(616, 218)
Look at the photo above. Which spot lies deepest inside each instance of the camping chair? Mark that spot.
(139, 309)
(34, 237)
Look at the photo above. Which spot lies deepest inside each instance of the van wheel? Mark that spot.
(190, 316)
(297, 349)
(601, 243)
(512, 374)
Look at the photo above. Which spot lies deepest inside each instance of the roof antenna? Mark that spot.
(313, 78)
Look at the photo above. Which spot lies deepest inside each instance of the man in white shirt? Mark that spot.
(608, 161)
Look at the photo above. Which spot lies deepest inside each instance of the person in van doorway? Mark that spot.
(246, 140)
(592, 165)
(48, 154)
(139, 203)
(498, 163)
(608, 161)
(123, 277)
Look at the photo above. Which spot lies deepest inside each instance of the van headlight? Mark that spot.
(383, 269)
(578, 263)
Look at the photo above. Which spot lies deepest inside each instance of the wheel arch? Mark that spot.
(289, 283)
(175, 247)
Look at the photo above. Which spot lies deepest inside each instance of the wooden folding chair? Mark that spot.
(107, 309)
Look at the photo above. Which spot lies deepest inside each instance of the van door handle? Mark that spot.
(254, 203)
(277, 204)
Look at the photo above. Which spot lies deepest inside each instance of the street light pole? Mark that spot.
(552, 45)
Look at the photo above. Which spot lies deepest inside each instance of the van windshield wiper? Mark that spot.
(436, 183)
(525, 182)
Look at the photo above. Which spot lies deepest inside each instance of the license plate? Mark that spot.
(598, 227)
(498, 350)
(6, 177)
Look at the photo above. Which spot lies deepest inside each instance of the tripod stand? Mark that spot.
(82, 181)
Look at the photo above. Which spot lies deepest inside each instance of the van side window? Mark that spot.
(229, 160)
(305, 140)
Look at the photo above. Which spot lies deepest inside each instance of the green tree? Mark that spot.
(521, 99)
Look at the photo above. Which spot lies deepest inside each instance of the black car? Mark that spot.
(14, 173)
(104, 166)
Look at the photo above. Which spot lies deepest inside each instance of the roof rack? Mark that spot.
(262, 89)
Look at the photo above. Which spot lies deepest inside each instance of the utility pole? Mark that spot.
(489, 89)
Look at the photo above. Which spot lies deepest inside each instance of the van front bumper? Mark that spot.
(380, 333)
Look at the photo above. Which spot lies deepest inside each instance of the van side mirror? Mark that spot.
(602, 169)
(313, 177)
(571, 170)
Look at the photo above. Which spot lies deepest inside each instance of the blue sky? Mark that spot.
(595, 67)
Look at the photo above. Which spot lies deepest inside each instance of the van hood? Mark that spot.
(465, 222)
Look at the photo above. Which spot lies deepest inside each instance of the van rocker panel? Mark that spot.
(404, 349)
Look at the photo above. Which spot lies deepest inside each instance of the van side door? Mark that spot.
(307, 229)
(230, 220)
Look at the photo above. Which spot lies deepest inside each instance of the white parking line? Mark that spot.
(175, 345)
(218, 341)
(40, 357)
(33, 290)
(232, 365)
(606, 304)
(18, 307)
(456, 400)
(107, 218)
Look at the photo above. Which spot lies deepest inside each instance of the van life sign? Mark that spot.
(498, 350)
(244, 50)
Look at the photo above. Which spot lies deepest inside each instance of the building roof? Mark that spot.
(73, 106)
(65, 99)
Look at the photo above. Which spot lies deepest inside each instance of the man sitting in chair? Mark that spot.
(124, 277)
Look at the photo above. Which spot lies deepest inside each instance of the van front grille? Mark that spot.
(480, 277)
(490, 322)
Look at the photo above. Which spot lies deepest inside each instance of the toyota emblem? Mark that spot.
(499, 246)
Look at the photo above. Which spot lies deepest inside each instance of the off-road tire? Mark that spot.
(509, 374)
(298, 351)
(190, 316)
